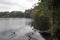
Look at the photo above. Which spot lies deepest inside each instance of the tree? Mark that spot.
(48, 9)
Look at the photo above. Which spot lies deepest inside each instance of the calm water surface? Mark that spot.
(17, 29)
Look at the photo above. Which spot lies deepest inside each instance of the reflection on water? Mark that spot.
(17, 29)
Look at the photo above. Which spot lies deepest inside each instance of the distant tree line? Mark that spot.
(15, 14)
(28, 13)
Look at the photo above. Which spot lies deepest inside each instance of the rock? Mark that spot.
(46, 35)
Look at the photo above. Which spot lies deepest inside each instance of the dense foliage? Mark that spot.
(15, 14)
(41, 21)
(47, 17)
(28, 13)
(11, 14)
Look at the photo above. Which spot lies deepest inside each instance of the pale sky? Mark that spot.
(16, 5)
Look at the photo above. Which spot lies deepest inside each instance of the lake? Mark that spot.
(18, 29)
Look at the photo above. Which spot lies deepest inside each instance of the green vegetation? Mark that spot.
(47, 17)
(28, 13)
(15, 14)
(11, 14)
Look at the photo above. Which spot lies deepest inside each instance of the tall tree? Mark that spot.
(48, 9)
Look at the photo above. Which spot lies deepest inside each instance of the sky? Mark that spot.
(16, 5)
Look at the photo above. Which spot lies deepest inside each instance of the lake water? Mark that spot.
(17, 29)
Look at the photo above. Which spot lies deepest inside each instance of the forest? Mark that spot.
(15, 14)
(47, 19)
